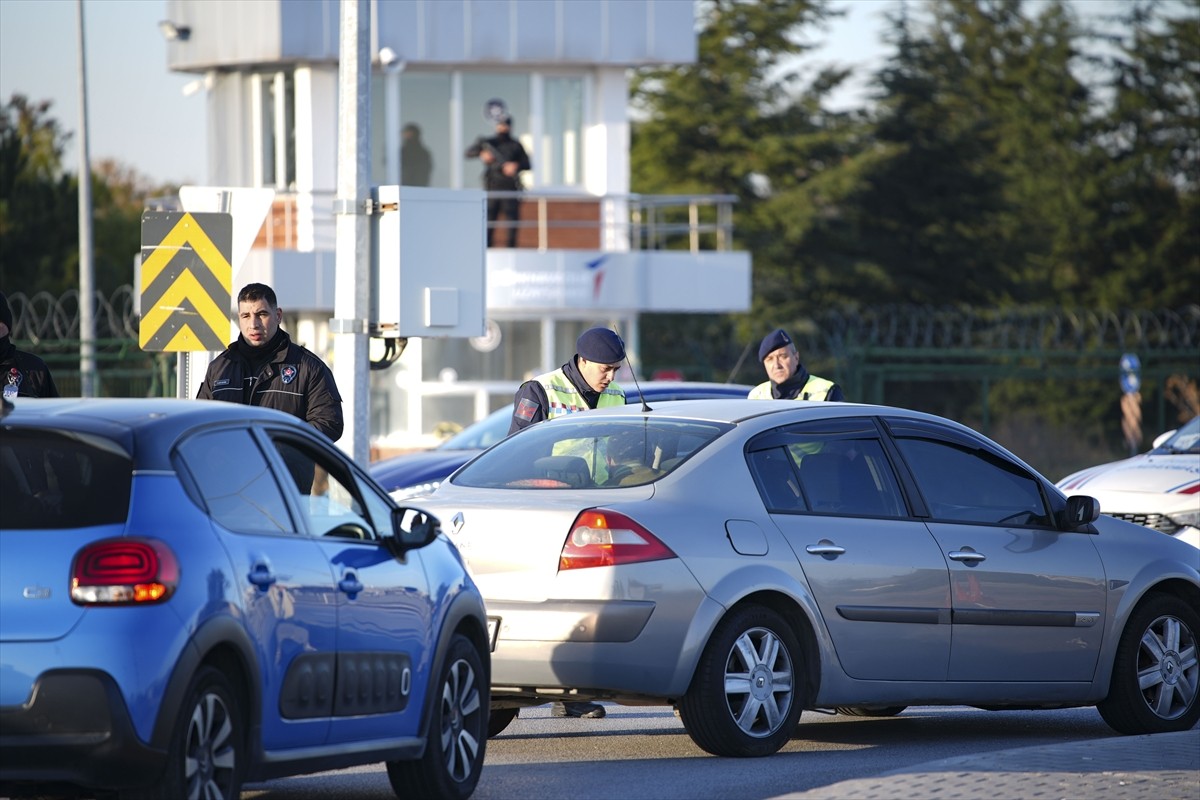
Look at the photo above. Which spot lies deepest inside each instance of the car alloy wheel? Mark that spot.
(454, 754)
(745, 695)
(1157, 670)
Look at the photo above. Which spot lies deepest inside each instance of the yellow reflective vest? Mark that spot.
(563, 398)
(815, 389)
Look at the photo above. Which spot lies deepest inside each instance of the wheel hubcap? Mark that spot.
(1168, 670)
(759, 682)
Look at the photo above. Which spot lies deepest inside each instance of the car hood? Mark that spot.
(410, 469)
(1156, 474)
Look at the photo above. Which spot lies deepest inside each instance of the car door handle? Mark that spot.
(350, 584)
(825, 548)
(966, 556)
(261, 576)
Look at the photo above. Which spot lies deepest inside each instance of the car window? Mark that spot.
(53, 480)
(828, 476)
(1186, 440)
(235, 482)
(329, 502)
(972, 485)
(590, 453)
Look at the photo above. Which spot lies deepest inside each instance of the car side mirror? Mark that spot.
(1081, 511)
(412, 529)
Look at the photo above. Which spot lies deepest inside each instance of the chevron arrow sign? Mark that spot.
(186, 281)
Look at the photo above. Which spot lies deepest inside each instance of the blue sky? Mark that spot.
(139, 115)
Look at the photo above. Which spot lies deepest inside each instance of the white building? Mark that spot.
(588, 252)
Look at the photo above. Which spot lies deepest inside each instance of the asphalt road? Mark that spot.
(644, 754)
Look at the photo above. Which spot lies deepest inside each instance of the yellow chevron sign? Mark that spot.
(186, 281)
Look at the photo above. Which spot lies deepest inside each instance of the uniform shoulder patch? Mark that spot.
(525, 409)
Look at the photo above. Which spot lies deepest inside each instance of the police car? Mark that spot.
(1159, 489)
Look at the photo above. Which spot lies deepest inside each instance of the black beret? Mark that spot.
(772, 342)
(600, 345)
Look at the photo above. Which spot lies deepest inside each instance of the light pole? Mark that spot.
(87, 323)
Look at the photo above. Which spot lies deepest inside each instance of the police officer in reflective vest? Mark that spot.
(583, 383)
(789, 380)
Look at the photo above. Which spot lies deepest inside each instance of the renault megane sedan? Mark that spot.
(744, 561)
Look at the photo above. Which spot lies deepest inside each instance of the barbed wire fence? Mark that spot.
(44, 317)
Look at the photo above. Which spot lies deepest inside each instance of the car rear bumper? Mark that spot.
(75, 729)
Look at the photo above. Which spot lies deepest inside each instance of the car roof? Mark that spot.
(146, 428)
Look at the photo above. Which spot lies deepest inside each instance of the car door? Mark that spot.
(878, 576)
(1028, 599)
(281, 580)
(384, 614)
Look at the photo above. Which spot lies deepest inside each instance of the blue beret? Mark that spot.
(600, 345)
(772, 342)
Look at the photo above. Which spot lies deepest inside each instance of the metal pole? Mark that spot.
(352, 283)
(87, 293)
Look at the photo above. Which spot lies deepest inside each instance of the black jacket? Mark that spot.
(505, 149)
(294, 380)
(24, 374)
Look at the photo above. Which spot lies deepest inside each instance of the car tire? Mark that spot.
(453, 757)
(869, 711)
(207, 754)
(1156, 672)
(745, 697)
(500, 719)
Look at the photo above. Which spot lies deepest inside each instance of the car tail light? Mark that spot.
(601, 538)
(124, 572)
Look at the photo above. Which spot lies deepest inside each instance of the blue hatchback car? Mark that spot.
(194, 595)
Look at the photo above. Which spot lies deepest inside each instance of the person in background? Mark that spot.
(264, 367)
(504, 159)
(24, 374)
(787, 377)
(416, 163)
(585, 382)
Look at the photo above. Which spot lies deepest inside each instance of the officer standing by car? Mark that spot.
(264, 367)
(787, 377)
(583, 383)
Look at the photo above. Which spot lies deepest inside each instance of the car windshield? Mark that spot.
(1185, 440)
(591, 453)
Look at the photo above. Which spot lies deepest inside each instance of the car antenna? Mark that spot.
(645, 406)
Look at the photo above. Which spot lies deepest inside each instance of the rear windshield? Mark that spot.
(55, 479)
(595, 453)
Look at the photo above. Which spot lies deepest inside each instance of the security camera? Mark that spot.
(389, 59)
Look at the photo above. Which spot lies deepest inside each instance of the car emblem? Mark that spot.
(36, 593)
(457, 522)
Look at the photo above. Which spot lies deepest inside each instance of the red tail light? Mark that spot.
(124, 572)
(601, 538)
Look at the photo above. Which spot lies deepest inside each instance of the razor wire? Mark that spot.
(44, 317)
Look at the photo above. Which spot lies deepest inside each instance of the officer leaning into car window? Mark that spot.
(585, 382)
(23, 374)
(787, 377)
(264, 367)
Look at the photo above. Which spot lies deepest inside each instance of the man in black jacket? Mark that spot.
(504, 159)
(22, 374)
(264, 367)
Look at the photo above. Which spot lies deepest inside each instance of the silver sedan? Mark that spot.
(744, 561)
